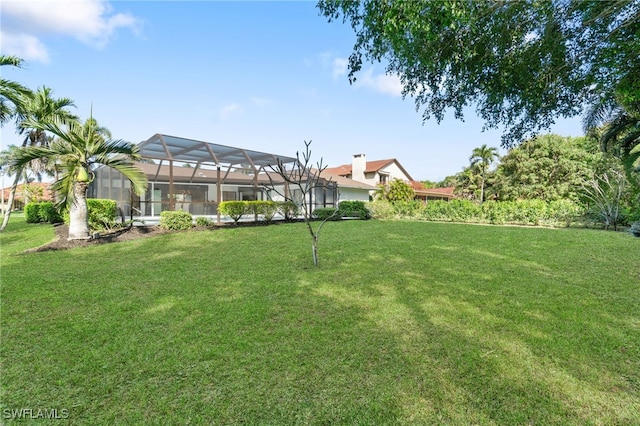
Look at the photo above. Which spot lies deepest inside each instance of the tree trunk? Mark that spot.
(314, 248)
(12, 195)
(79, 213)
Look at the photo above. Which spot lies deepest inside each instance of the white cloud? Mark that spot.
(339, 67)
(382, 83)
(226, 111)
(25, 46)
(90, 21)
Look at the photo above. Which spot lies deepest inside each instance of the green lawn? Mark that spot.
(402, 323)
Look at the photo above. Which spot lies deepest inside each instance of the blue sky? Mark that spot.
(258, 75)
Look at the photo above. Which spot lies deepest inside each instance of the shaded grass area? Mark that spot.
(402, 323)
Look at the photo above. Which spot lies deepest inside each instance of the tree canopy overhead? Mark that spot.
(522, 64)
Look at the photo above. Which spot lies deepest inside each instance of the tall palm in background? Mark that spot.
(36, 107)
(482, 158)
(12, 94)
(76, 149)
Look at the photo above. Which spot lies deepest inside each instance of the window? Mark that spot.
(384, 179)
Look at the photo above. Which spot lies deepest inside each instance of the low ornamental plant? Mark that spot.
(176, 220)
(234, 209)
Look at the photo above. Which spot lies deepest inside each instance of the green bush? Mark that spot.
(103, 214)
(49, 213)
(288, 209)
(354, 209)
(407, 209)
(176, 220)
(564, 212)
(268, 210)
(326, 213)
(381, 209)
(234, 209)
(253, 207)
(42, 212)
(203, 221)
(32, 213)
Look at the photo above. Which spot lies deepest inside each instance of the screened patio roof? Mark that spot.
(173, 148)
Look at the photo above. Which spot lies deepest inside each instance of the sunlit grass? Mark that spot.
(402, 323)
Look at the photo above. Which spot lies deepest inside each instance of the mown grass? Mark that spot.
(402, 323)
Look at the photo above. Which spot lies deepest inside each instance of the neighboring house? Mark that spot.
(381, 172)
(371, 172)
(196, 176)
(431, 194)
(25, 193)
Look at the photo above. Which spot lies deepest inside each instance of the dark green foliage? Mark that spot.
(176, 220)
(234, 209)
(103, 214)
(354, 209)
(49, 213)
(32, 213)
(42, 212)
(326, 213)
(523, 64)
(549, 167)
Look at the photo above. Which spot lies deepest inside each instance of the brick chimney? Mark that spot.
(358, 166)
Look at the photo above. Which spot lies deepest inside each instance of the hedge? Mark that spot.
(525, 212)
(41, 212)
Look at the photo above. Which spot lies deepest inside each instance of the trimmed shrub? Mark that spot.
(103, 214)
(268, 210)
(49, 213)
(203, 221)
(234, 209)
(354, 209)
(326, 213)
(42, 212)
(32, 213)
(288, 209)
(176, 220)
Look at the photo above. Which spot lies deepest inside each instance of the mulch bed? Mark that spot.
(125, 234)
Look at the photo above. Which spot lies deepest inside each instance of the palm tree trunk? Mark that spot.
(12, 195)
(79, 213)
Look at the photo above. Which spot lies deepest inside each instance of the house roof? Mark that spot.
(173, 148)
(370, 167)
(208, 175)
(419, 189)
(344, 182)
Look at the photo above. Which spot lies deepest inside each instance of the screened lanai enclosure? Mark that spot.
(195, 176)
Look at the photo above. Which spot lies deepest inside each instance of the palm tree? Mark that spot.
(12, 94)
(76, 149)
(37, 107)
(482, 158)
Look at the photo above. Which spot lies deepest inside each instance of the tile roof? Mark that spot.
(371, 167)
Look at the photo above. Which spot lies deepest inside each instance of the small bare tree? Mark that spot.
(306, 179)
